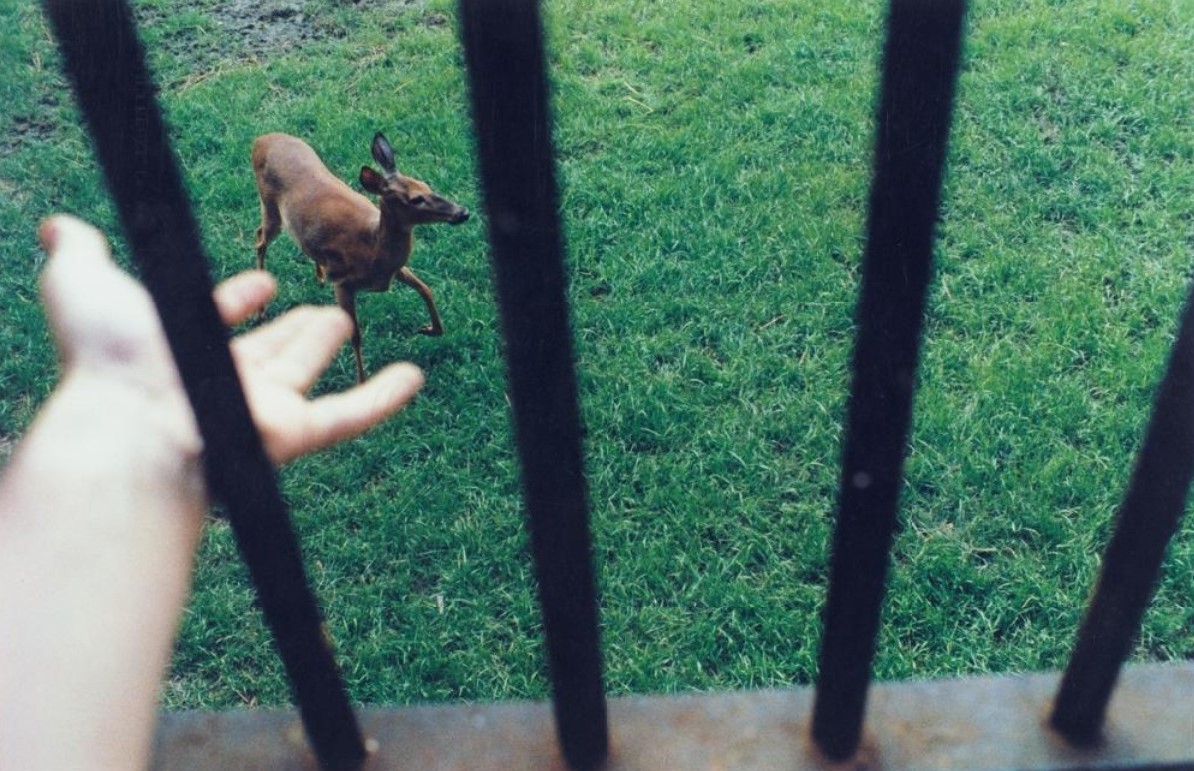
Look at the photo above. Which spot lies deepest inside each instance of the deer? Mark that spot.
(356, 245)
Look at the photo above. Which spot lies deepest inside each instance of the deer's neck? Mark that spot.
(394, 239)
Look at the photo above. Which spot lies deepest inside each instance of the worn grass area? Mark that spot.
(714, 159)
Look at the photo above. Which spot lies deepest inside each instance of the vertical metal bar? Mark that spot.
(512, 120)
(105, 61)
(1146, 521)
(920, 64)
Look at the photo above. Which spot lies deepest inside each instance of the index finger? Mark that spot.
(337, 417)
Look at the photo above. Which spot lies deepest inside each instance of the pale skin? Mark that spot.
(103, 501)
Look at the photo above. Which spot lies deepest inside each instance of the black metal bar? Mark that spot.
(1146, 521)
(105, 61)
(920, 65)
(512, 121)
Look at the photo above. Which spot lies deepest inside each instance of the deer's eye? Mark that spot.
(417, 200)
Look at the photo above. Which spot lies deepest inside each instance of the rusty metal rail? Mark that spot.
(969, 723)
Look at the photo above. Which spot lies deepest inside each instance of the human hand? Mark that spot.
(100, 315)
(279, 361)
(102, 502)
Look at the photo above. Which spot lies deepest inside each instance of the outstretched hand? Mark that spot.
(102, 318)
(279, 361)
(103, 500)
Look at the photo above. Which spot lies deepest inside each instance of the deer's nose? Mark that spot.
(460, 216)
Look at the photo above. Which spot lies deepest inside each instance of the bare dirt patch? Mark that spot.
(240, 30)
(196, 39)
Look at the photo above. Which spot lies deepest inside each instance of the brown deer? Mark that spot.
(355, 245)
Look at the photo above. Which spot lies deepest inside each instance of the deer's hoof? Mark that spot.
(431, 331)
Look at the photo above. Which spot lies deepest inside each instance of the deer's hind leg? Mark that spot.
(271, 225)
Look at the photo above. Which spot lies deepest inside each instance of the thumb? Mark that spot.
(98, 314)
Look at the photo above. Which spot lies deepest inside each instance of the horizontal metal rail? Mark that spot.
(967, 723)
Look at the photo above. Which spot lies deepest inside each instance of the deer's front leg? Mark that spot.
(435, 328)
(347, 299)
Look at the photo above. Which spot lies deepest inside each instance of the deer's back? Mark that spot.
(314, 204)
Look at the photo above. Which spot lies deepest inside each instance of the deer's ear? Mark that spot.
(383, 153)
(372, 181)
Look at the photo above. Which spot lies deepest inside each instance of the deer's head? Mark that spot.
(411, 200)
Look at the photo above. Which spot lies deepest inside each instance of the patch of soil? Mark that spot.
(32, 127)
(250, 29)
(232, 31)
(27, 129)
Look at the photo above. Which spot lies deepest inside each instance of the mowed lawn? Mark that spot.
(714, 162)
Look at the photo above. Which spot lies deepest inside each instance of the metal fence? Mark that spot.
(1037, 721)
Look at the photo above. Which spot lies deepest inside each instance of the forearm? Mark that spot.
(114, 545)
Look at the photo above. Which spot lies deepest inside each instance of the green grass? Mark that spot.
(714, 160)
